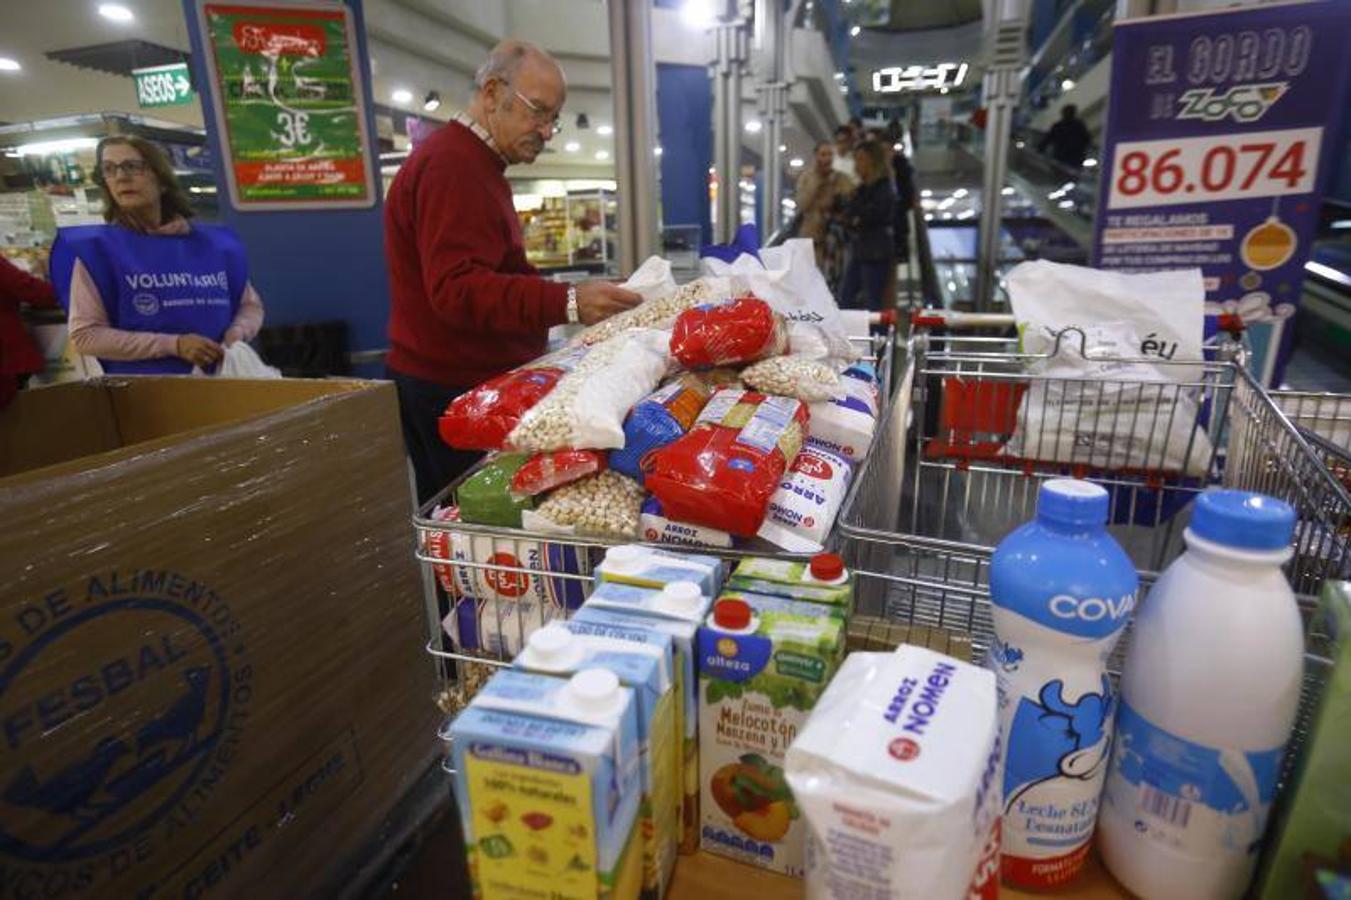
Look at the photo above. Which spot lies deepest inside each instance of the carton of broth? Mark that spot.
(676, 610)
(641, 660)
(548, 784)
(763, 662)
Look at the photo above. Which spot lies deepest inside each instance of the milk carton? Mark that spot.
(548, 785)
(763, 662)
(677, 611)
(897, 777)
(823, 579)
(652, 568)
(642, 661)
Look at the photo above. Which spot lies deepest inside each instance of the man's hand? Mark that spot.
(200, 351)
(598, 300)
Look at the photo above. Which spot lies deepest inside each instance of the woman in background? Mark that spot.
(149, 293)
(19, 355)
(869, 213)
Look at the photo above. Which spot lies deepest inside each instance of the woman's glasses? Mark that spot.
(126, 167)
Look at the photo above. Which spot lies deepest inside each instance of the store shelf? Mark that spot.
(708, 877)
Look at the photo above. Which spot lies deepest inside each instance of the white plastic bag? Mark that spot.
(1087, 406)
(242, 361)
(787, 279)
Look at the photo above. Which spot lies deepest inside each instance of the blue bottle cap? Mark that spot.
(1244, 520)
(1072, 502)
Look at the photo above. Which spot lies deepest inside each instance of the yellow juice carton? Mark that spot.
(763, 662)
(641, 660)
(823, 579)
(676, 610)
(548, 781)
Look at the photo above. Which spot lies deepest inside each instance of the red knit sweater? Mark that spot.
(465, 304)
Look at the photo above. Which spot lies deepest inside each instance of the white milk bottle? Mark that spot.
(1062, 590)
(1208, 698)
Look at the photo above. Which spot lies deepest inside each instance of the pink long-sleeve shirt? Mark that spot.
(91, 334)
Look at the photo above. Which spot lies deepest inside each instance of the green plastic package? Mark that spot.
(486, 498)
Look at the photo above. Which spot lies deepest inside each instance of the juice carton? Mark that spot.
(641, 660)
(548, 784)
(763, 662)
(822, 580)
(652, 568)
(677, 610)
(897, 776)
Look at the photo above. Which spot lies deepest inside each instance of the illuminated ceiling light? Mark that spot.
(928, 217)
(898, 146)
(116, 12)
(942, 90)
(431, 102)
(926, 193)
(605, 130)
(657, 151)
(844, 89)
(1090, 163)
(1019, 144)
(855, 31)
(839, 76)
(753, 126)
(783, 148)
(401, 95)
(959, 193)
(712, 171)
(795, 163)
(961, 75)
(1067, 85)
(9, 65)
(602, 155)
(46, 148)
(1007, 192)
(1066, 204)
(572, 147)
(698, 13)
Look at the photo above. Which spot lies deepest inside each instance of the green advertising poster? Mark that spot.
(288, 102)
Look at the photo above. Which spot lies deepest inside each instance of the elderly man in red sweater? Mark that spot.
(466, 304)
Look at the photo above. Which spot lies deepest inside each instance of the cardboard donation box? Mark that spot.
(210, 623)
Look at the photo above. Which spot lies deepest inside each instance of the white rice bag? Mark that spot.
(656, 528)
(803, 508)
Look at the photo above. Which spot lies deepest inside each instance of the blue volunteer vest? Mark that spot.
(181, 284)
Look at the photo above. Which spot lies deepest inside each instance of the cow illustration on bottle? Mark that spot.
(1053, 739)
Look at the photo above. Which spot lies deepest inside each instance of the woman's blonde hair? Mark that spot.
(173, 199)
(877, 158)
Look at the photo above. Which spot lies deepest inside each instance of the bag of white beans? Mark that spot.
(808, 380)
(605, 505)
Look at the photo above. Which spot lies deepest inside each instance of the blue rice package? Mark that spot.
(657, 420)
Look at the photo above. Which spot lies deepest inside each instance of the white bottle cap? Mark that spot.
(552, 648)
(681, 598)
(624, 558)
(594, 690)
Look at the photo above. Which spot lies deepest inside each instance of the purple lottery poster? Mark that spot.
(1221, 130)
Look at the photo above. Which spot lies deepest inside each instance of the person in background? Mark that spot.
(821, 191)
(1068, 139)
(844, 151)
(466, 305)
(19, 355)
(903, 176)
(149, 293)
(869, 213)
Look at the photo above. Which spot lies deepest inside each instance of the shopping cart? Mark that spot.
(975, 470)
(1324, 420)
(550, 575)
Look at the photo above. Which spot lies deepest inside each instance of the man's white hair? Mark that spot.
(505, 60)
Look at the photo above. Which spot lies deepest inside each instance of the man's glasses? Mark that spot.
(126, 167)
(540, 116)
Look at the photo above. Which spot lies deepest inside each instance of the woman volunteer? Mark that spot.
(149, 294)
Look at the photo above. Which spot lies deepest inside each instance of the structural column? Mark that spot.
(728, 68)
(635, 91)
(1002, 88)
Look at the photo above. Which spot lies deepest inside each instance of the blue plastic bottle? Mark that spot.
(1062, 590)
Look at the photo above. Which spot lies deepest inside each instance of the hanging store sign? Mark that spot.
(904, 79)
(288, 101)
(163, 86)
(1219, 137)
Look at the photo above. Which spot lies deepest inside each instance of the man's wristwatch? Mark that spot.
(574, 315)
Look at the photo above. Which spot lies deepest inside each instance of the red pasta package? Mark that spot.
(723, 472)
(733, 333)
(482, 418)
(546, 471)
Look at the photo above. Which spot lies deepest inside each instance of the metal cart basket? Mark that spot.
(548, 575)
